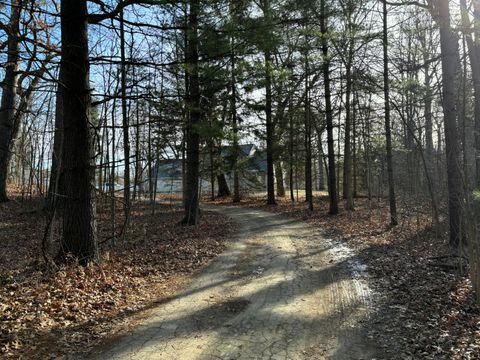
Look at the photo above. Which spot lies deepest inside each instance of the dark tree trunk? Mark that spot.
(55, 181)
(427, 110)
(388, 132)
(308, 149)
(138, 164)
(9, 89)
(332, 180)
(474, 55)
(321, 172)
(347, 166)
(290, 150)
(279, 179)
(450, 65)
(223, 190)
(192, 135)
(233, 113)
(79, 232)
(270, 130)
(212, 172)
(125, 124)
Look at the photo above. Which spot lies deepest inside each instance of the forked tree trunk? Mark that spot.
(79, 230)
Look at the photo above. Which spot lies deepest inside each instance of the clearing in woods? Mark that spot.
(280, 291)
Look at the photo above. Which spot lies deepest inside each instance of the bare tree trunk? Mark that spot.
(279, 179)
(475, 64)
(450, 64)
(332, 179)
(427, 112)
(347, 165)
(212, 172)
(268, 113)
(192, 135)
(321, 169)
(223, 190)
(79, 229)
(150, 155)
(308, 143)
(388, 131)
(270, 130)
(55, 181)
(233, 112)
(7, 105)
(138, 162)
(290, 151)
(125, 124)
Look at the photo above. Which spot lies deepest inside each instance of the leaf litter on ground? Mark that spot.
(425, 308)
(50, 313)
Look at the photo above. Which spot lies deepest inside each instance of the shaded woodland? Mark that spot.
(358, 105)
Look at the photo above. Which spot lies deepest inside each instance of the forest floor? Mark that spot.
(281, 290)
(423, 307)
(48, 313)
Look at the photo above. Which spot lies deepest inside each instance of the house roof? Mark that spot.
(258, 161)
(255, 160)
(170, 168)
(245, 150)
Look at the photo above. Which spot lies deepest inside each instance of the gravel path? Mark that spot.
(280, 291)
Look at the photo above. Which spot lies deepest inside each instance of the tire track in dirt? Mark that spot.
(280, 291)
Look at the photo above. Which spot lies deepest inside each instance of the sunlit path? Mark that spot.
(281, 291)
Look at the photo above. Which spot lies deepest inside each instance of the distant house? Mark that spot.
(168, 175)
(252, 165)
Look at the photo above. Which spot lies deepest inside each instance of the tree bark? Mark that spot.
(9, 89)
(332, 179)
(450, 64)
(268, 111)
(223, 190)
(125, 124)
(321, 171)
(308, 147)
(475, 64)
(270, 130)
(193, 104)
(233, 111)
(55, 181)
(388, 131)
(290, 151)
(347, 166)
(79, 229)
(279, 179)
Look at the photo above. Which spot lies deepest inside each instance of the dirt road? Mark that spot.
(280, 291)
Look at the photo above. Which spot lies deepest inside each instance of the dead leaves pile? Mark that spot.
(47, 313)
